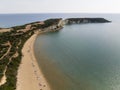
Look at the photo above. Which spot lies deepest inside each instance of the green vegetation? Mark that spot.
(46, 24)
(19, 27)
(50, 22)
(86, 20)
(12, 42)
(13, 64)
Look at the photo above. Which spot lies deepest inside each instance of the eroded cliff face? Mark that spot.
(85, 20)
(55, 27)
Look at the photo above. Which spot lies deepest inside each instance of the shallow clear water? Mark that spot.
(81, 57)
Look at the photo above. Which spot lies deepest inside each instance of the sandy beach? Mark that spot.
(29, 75)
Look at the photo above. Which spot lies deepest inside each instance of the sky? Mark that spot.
(59, 6)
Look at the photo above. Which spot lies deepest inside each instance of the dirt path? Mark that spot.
(7, 51)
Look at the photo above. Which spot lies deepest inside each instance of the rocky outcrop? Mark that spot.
(55, 26)
(85, 20)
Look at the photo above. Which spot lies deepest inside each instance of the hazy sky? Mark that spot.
(47, 6)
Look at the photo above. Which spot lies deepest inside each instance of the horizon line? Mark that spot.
(62, 13)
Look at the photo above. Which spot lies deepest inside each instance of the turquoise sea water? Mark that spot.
(81, 57)
(78, 57)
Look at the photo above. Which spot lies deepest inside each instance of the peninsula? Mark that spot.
(85, 20)
(18, 67)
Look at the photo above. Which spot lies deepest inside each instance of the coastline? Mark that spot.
(30, 76)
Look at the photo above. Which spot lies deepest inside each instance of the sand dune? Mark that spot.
(5, 30)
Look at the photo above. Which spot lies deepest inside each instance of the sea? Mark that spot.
(79, 56)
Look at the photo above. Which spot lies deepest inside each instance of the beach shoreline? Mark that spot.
(30, 77)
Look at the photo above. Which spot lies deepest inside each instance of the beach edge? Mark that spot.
(30, 76)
